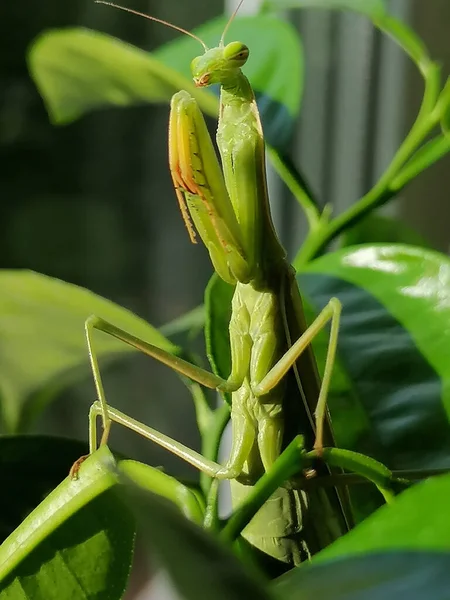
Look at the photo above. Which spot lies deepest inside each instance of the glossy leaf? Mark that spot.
(77, 544)
(77, 70)
(400, 543)
(387, 576)
(197, 564)
(418, 520)
(82, 518)
(393, 345)
(43, 347)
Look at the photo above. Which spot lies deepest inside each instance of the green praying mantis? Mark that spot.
(278, 403)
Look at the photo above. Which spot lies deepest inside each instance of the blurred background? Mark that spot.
(92, 203)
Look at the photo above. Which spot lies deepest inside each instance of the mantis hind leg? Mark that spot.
(331, 312)
(191, 456)
(243, 438)
(178, 364)
(233, 468)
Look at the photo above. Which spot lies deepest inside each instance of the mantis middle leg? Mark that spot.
(244, 433)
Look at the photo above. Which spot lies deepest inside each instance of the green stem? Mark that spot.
(203, 413)
(428, 154)
(211, 519)
(402, 477)
(318, 239)
(296, 185)
(211, 437)
(364, 465)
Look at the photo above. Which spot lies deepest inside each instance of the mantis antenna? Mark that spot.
(230, 20)
(141, 14)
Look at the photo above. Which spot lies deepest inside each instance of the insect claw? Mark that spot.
(74, 469)
(309, 473)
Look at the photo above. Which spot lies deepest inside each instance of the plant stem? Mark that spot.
(296, 185)
(211, 437)
(319, 238)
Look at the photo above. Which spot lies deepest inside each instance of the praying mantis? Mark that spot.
(278, 403)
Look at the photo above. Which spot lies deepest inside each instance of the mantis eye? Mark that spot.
(237, 53)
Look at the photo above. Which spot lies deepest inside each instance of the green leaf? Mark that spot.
(31, 466)
(386, 576)
(393, 343)
(377, 228)
(351, 424)
(187, 499)
(78, 70)
(77, 544)
(191, 323)
(43, 347)
(371, 8)
(199, 566)
(412, 530)
(418, 520)
(218, 296)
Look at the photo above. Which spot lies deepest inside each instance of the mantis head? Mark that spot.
(219, 64)
(216, 65)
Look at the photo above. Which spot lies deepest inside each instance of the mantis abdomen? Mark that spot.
(282, 528)
(277, 528)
